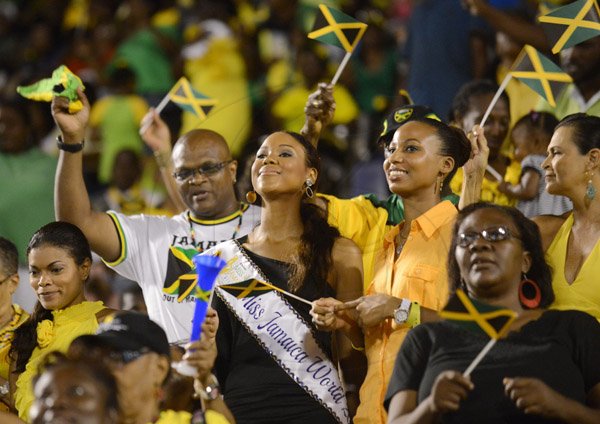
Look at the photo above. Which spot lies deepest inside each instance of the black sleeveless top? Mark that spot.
(256, 389)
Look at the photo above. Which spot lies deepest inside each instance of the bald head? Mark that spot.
(202, 138)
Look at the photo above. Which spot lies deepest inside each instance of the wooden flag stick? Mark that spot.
(282, 291)
(479, 357)
(338, 73)
(158, 110)
(496, 97)
(495, 173)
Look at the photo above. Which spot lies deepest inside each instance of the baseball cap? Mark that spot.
(129, 332)
(401, 116)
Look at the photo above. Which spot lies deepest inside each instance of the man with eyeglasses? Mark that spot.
(156, 251)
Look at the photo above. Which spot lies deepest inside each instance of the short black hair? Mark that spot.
(530, 238)
(462, 100)
(9, 257)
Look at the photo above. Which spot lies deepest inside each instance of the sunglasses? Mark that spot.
(492, 234)
(206, 170)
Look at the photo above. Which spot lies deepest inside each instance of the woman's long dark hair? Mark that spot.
(530, 239)
(317, 240)
(56, 234)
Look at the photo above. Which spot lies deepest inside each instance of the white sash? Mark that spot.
(281, 331)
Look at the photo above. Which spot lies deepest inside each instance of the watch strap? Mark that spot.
(404, 306)
(69, 147)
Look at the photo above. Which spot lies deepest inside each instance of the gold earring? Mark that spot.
(251, 196)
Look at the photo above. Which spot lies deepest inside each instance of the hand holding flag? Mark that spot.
(338, 29)
(480, 318)
(252, 288)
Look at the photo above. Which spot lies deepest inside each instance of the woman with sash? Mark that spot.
(273, 364)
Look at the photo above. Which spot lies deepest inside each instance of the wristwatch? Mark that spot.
(401, 313)
(212, 390)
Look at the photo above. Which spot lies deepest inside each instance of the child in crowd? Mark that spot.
(531, 136)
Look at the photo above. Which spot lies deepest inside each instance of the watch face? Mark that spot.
(400, 316)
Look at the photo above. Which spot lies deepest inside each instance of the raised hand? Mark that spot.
(319, 111)
(155, 132)
(72, 125)
(479, 152)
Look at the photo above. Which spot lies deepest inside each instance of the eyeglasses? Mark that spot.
(207, 170)
(6, 279)
(492, 234)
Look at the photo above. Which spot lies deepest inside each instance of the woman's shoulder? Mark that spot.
(343, 247)
(549, 226)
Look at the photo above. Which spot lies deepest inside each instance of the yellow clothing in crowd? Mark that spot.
(6, 336)
(489, 188)
(583, 294)
(220, 74)
(184, 417)
(418, 274)
(58, 334)
(289, 106)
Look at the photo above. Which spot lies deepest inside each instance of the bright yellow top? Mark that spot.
(489, 188)
(6, 335)
(184, 417)
(364, 223)
(68, 324)
(583, 294)
(418, 274)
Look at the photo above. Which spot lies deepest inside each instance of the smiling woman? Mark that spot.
(59, 259)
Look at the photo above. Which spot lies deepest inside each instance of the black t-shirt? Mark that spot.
(256, 389)
(561, 348)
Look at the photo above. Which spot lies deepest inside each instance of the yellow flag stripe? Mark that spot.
(189, 289)
(573, 24)
(181, 256)
(337, 29)
(485, 326)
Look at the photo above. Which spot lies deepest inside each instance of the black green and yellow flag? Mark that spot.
(247, 288)
(478, 317)
(190, 100)
(571, 24)
(63, 83)
(539, 73)
(336, 28)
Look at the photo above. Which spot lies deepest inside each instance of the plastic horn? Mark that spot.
(207, 267)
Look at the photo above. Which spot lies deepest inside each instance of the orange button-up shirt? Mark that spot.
(418, 274)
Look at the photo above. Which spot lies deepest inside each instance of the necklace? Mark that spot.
(233, 236)
(400, 242)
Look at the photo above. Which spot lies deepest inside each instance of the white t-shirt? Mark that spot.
(157, 251)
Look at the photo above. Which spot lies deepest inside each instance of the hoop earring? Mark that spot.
(251, 196)
(530, 294)
(308, 189)
(590, 192)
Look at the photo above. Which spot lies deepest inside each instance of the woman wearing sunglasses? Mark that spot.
(544, 370)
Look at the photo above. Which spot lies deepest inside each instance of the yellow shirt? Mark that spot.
(489, 188)
(583, 294)
(418, 274)
(361, 221)
(58, 334)
(184, 417)
(6, 336)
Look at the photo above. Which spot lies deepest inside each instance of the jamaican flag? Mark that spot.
(571, 24)
(336, 28)
(539, 73)
(247, 288)
(181, 279)
(190, 100)
(478, 317)
(63, 83)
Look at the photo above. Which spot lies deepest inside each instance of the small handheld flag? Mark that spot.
(207, 267)
(188, 99)
(539, 73)
(252, 288)
(337, 29)
(63, 83)
(571, 24)
(536, 71)
(480, 318)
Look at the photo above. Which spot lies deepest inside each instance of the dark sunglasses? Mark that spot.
(492, 234)
(207, 170)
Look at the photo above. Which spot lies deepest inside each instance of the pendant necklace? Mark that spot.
(233, 236)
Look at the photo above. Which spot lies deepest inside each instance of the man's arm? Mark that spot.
(71, 199)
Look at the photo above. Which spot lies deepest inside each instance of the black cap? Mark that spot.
(401, 116)
(131, 332)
